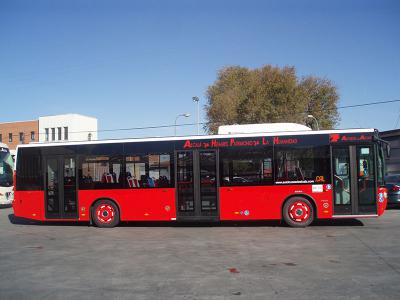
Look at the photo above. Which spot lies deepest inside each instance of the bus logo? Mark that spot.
(334, 138)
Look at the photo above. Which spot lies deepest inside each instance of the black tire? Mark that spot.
(105, 214)
(298, 212)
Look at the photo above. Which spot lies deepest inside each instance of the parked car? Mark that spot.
(393, 186)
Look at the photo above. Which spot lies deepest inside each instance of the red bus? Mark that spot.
(292, 176)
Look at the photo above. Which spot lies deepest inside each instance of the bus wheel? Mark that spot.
(105, 214)
(298, 212)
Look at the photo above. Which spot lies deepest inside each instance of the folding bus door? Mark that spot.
(197, 185)
(354, 180)
(60, 187)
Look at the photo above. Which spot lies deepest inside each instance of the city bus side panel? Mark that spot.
(29, 204)
(247, 203)
(134, 204)
(265, 202)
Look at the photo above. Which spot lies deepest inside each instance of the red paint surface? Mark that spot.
(134, 204)
(260, 202)
(265, 202)
(29, 204)
(382, 205)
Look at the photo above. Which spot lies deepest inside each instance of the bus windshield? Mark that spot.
(6, 169)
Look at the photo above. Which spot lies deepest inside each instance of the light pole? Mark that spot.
(314, 118)
(196, 99)
(176, 119)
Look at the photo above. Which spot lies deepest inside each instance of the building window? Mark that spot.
(1, 137)
(59, 133)
(10, 137)
(21, 137)
(47, 134)
(65, 133)
(32, 136)
(53, 134)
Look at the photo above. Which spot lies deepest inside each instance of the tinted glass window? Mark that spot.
(6, 168)
(100, 172)
(148, 171)
(380, 166)
(366, 176)
(29, 170)
(246, 167)
(185, 181)
(302, 165)
(70, 186)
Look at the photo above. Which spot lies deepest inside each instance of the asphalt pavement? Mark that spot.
(344, 259)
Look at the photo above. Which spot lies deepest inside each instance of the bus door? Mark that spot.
(60, 187)
(197, 183)
(354, 180)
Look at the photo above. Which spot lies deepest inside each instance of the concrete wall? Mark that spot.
(68, 127)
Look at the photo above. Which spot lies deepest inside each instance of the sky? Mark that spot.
(139, 63)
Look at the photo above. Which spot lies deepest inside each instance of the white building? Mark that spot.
(67, 127)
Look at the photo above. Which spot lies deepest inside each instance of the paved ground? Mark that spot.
(340, 260)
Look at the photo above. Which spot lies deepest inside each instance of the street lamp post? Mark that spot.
(314, 118)
(176, 119)
(196, 99)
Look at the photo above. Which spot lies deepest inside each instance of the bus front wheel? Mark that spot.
(105, 213)
(298, 212)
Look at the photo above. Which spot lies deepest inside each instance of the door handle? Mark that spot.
(230, 189)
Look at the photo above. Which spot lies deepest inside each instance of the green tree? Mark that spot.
(267, 95)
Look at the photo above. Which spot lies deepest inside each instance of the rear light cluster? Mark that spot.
(395, 188)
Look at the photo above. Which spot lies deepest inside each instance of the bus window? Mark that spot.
(380, 166)
(6, 169)
(366, 176)
(302, 164)
(29, 170)
(246, 167)
(100, 172)
(148, 171)
(341, 179)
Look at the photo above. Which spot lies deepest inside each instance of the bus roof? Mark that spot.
(196, 137)
(264, 127)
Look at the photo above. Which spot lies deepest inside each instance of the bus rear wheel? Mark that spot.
(105, 213)
(298, 212)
